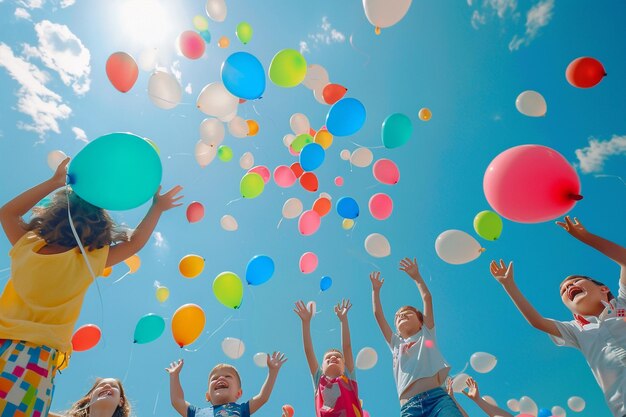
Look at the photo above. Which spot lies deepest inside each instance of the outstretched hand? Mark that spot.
(501, 272)
(574, 228)
(376, 280)
(303, 312)
(410, 267)
(59, 177)
(342, 309)
(275, 361)
(164, 202)
(472, 389)
(449, 388)
(175, 368)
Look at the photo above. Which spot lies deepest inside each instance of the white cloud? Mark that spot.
(592, 157)
(188, 89)
(43, 105)
(32, 4)
(327, 36)
(501, 7)
(304, 47)
(67, 3)
(62, 51)
(478, 19)
(175, 69)
(159, 240)
(80, 134)
(537, 17)
(22, 13)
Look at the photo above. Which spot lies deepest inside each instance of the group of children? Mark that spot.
(56, 256)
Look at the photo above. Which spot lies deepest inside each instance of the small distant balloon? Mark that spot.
(223, 42)
(386, 171)
(513, 405)
(212, 131)
(200, 23)
(558, 411)
(347, 224)
(338, 181)
(244, 32)
(216, 10)
(253, 127)
(324, 138)
(238, 127)
(527, 406)
(309, 182)
(348, 208)
(308, 262)
(299, 124)
(259, 269)
(229, 223)
(483, 362)
(233, 347)
(377, 245)
(309, 222)
(260, 359)
(191, 44)
(396, 130)
(488, 225)
(284, 176)
(292, 208)
(380, 206)
(251, 185)
(122, 71)
(361, 157)
(297, 169)
(162, 293)
(325, 283)
(424, 114)
(457, 247)
(195, 212)
(576, 404)
(366, 358)
(224, 153)
(288, 410)
(246, 161)
(345, 155)
(322, 206)
(333, 93)
(531, 103)
(133, 263)
(190, 266)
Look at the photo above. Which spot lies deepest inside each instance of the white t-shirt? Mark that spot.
(603, 343)
(415, 357)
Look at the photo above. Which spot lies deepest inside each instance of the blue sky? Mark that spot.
(467, 62)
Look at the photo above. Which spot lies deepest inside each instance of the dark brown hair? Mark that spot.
(609, 295)
(81, 407)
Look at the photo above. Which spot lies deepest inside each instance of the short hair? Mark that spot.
(418, 313)
(333, 350)
(228, 367)
(609, 295)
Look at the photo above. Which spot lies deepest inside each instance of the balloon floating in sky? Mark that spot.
(133, 263)
(366, 358)
(260, 359)
(459, 382)
(244, 32)
(238, 127)
(200, 23)
(396, 130)
(585, 72)
(322, 206)
(558, 411)
(204, 153)
(251, 185)
(488, 225)
(162, 293)
(348, 208)
(531, 103)
(288, 68)
(253, 127)
(301, 141)
(190, 266)
(424, 114)
(86, 337)
(333, 93)
(246, 161)
(377, 245)
(212, 131)
(457, 247)
(215, 100)
(345, 117)
(292, 208)
(288, 410)
(531, 184)
(513, 404)
(187, 324)
(385, 13)
(483, 362)
(55, 158)
(229, 223)
(309, 182)
(148, 329)
(259, 269)
(527, 406)
(361, 157)
(243, 75)
(299, 124)
(347, 224)
(164, 90)
(263, 171)
(325, 283)
(284, 176)
(224, 42)
(312, 156)
(309, 222)
(233, 347)
(195, 212)
(216, 10)
(576, 404)
(380, 206)
(308, 262)
(324, 138)
(228, 289)
(544, 412)
(224, 153)
(122, 71)
(191, 44)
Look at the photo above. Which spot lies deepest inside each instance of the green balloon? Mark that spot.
(396, 131)
(224, 153)
(288, 68)
(301, 141)
(149, 328)
(251, 185)
(488, 225)
(244, 32)
(228, 289)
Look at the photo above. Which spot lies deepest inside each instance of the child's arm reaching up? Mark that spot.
(410, 268)
(377, 283)
(177, 396)
(274, 363)
(612, 250)
(346, 345)
(305, 315)
(451, 394)
(504, 275)
(490, 409)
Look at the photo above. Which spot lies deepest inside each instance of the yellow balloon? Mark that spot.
(425, 114)
(187, 324)
(200, 23)
(228, 289)
(253, 127)
(347, 223)
(63, 359)
(133, 263)
(190, 266)
(162, 294)
(324, 138)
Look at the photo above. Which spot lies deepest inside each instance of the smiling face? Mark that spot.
(408, 321)
(583, 296)
(224, 385)
(106, 394)
(333, 364)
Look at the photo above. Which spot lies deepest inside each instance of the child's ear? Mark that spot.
(239, 393)
(208, 396)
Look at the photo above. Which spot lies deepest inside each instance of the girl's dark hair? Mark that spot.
(609, 295)
(93, 224)
(81, 407)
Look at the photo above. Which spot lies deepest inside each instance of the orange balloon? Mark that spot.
(86, 337)
(187, 324)
(190, 266)
(324, 138)
(223, 42)
(253, 127)
(312, 131)
(107, 271)
(322, 206)
(122, 71)
(297, 169)
(133, 263)
(425, 114)
(308, 181)
(332, 93)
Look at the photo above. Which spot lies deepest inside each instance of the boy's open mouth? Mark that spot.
(573, 291)
(221, 385)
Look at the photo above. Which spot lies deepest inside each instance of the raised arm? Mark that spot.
(610, 249)
(377, 283)
(451, 394)
(504, 275)
(305, 315)
(141, 235)
(274, 363)
(346, 345)
(177, 396)
(11, 213)
(490, 409)
(410, 268)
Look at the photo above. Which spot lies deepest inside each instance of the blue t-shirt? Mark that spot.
(224, 410)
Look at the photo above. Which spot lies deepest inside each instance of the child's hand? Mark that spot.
(449, 387)
(275, 361)
(472, 391)
(342, 309)
(304, 313)
(60, 175)
(410, 267)
(175, 368)
(501, 272)
(575, 229)
(164, 202)
(377, 281)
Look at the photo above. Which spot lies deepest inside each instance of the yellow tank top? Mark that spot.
(42, 299)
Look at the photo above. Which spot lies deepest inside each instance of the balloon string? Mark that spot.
(232, 201)
(359, 51)
(5, 269)
(121, 278)
(599, 176)
(279, 222)
(368, 147)
(130, 360)
(210, 336)
(155, 404)
(168, 101)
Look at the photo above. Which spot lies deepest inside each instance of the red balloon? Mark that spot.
(122, 71)
(386, 171)
(308, 181)
(195, 212)
(297, 169)
(86, 337)
(585, 72)
(531, 184)
(332, 93)
(322, 206)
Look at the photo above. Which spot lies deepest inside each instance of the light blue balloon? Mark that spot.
(206, 35)
(312, 156)
(243, 75)
(118, 171)
(149, 328)
(345, 117)
(325, 283)
(396, 130)
(348, 208)
(259, 270)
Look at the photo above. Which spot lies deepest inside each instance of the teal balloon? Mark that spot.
(149, 328)
(396, 131)
(118, 171)
(312, 156)
(243, 76)
(206, 35)
(345, 117)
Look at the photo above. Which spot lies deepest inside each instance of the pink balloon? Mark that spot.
(122, 71)
(308, 262)
(284, 176)
(195, 212)
(191, 44)
(531, 184)
(380, 206)
(386, 171)
(338, 181)
(366, 414)
(309, 222)
(262, 171)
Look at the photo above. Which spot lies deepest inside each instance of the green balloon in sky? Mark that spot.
(488, 225)
(228, 289)
(288, 68)
(301, 141)
(224, 153)
(251, 185)
(396, 130)
(244, 32)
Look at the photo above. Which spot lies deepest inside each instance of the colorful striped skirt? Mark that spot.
(26, 378)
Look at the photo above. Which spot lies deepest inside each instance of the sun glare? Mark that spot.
(148, 23)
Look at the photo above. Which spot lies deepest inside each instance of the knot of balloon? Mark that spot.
(481, 250)
(576, 197)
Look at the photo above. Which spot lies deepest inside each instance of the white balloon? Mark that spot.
(576, 404)
(228, 117)
(164, 90)
(212, 131)
(457, 247)
(260, 359)
(246, 161)
(483, 362)
(55, 158)
(318, 93)
(385, 13)
(238, 127)
(292, 208)
(228, 223)
(233, 347)
(513, 405)
(216, 10)
(205, 153)
(361, 157)
(558, 411)
(148, 59)
(490, 400)
(459, 382)
(288, 139)
(345, 154)
(215, 100)
(316, 76)
(326, 195)
(377, 245)
(299, 123)
(527, 406)
(366, 358)
(311, 306)
(531, 103)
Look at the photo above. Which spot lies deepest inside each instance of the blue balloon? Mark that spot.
(206, 35)
(259, 270)
(544, 412)
(345, 117)
(243, 75)
(325, 283)
(348, 208)
(312, 156)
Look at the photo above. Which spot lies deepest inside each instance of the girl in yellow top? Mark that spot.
(41, 301)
